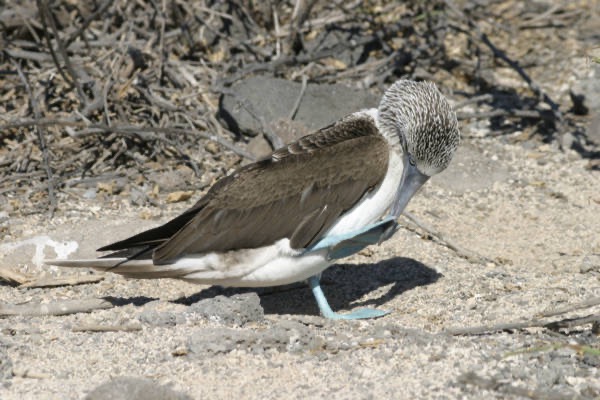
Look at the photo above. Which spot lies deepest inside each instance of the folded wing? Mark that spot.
(296, 193)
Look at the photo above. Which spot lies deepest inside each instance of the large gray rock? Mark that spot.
(236, 310)
(286, 336)
(470, 170)
(273, 99)
(127, 388)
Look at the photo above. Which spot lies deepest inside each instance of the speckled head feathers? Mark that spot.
(418, 116)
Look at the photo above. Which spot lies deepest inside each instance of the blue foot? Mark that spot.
(327, 312)
(342, 246)
(362, 313)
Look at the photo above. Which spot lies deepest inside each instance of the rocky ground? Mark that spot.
(493, 284)
(534, 213)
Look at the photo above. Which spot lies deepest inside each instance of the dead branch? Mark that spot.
(60, 307)
(471, 378)
(62, 281)
(86, 22)
(296, 106)
(472, 100)
(535, 88)
(42, 140)
(566, 323)
(505, 113)
(594, 301)
(90, 129)
(13, 277)
(272, 66)
(28, 55)
(23, 372)
(107, 328)
(47, 17)
(570, 323)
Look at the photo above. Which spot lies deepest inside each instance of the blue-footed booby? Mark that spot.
(289, 216)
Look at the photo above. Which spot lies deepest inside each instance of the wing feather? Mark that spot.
(297, 193)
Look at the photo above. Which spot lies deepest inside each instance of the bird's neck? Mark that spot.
(391, 137)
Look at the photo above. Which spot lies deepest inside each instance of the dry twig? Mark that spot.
(474, 27)
(47, 17)
(61, 307)
(594, 301)
(12, 277)
(566, 323)
(296, 106)
(90, 129)
(107, 328)
(62, 281)
(492, 384)
(42, 140)
(22, 372)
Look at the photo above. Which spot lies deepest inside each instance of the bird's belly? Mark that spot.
(273, 265)
(286, 269)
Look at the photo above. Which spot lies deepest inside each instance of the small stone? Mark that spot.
(590, 263)
(5, 367)
(212, 148)
(259, 147)
(129, 388)
(176, 197)
(156, 318)
(90, 193)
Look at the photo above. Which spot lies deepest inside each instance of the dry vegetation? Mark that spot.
(111, 108)
(92, 91)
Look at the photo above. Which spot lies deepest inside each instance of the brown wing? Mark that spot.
(296, 193)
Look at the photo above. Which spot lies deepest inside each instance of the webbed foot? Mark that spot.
(327, 312)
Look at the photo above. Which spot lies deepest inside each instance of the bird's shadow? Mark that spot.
(344, 285)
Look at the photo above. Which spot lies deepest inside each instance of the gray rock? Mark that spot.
(286, 336)
(585, 95)
(593, 131)
(169, 181)
(156, 318)
(470, 170)
(5, 366)
(236, 310)
(217, 341)
(339, 39)
(590, 263)
(128, 388)
(286, 130)
(272, 99)
(587, 91)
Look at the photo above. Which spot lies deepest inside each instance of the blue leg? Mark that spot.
(326, 310)
(345, 245)
(376, 233)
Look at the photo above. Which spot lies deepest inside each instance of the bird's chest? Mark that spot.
(375, 204)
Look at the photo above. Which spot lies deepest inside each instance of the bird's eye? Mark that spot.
(411, 160)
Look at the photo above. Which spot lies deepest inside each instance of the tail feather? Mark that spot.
(140, 269)
(101, 264)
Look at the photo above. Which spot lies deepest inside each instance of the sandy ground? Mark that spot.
(535, 213)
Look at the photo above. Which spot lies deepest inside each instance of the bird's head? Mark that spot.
(424, 122)
(418, 117)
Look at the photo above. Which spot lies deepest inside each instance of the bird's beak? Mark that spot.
(411, 182)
